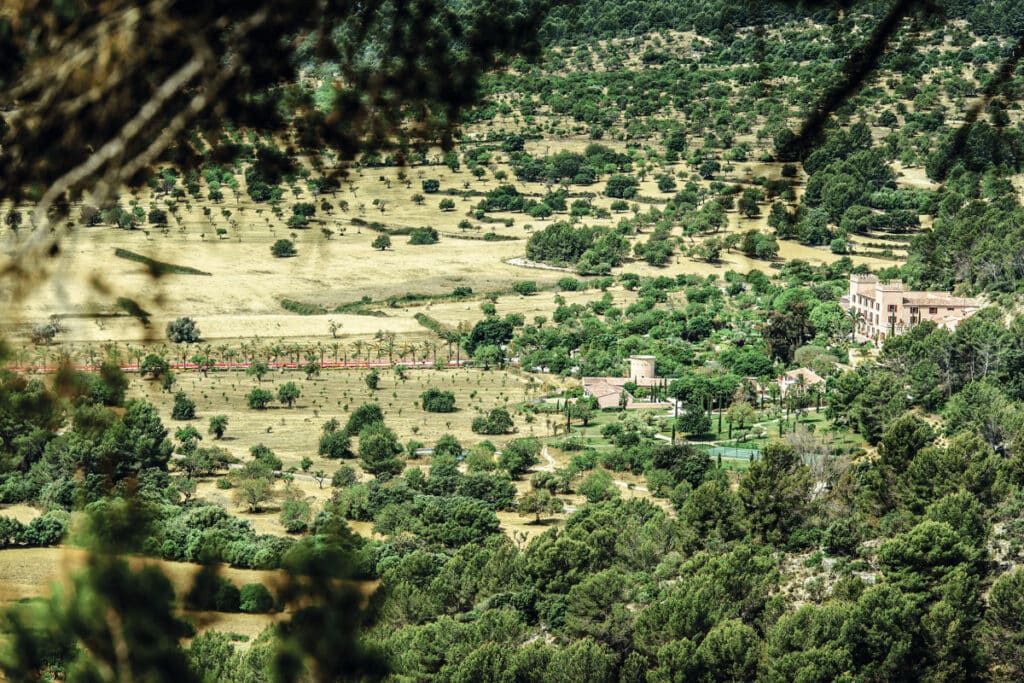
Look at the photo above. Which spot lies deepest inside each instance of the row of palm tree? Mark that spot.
(383, 345)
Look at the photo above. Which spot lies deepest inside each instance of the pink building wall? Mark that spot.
(888, 308)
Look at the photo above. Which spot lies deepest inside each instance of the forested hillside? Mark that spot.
(339, 376)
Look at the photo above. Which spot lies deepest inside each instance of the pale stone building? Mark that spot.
(888, 308)
(611, 391)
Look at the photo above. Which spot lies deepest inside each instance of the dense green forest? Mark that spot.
(873, 531)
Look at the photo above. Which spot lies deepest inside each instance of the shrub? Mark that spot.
(212, 592)
(525, 287)
(255, 599)
(423, 236)
(344, 477)
(227, 598)
(448, 445)
(569, 284)
(154, 366)
(295, 514)
(519, 456)
(431, 186)
(10, 530)
(288, 393)
(283, 249)
(597, 487)
(498, 421)
(184, 407)
(366, 414)
(44, 531)
(438, 401)
(259, 398)
(622, 187)
(183, 331)
(263, 455)
(335, 444)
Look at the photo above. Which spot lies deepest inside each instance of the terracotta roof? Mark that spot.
(810, 376)
(599, 389)
(609, 400)
(939, 299)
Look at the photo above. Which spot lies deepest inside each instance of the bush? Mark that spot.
(46, 530)
(283, 249)
(183, 331)
(519, 456)
(569, 284)
(212, 592)
(154, 366)
(498, 421)
(10, 531)
(597, 486)
(525, 287)
(262, 454)
(344, 477)
(259, 398)
(295, 515)
(255, 599)
(227, 598)
(438, 401)
(335, 444)
(366, 414)
(423, 236)
(184, 407)
(448, 445)
(288, 393)
(431, 186)
(622, 187)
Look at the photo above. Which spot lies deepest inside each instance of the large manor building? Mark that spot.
(888, 308)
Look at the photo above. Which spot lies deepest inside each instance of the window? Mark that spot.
(933, 310)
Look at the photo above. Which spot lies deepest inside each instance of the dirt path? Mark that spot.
(536, 265)
(550, 463)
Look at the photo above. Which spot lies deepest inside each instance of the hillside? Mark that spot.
(544, 369)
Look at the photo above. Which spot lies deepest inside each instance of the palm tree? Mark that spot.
(856, 319)
(276, 351)
(357, 348)
(229, 355)
(113, 352)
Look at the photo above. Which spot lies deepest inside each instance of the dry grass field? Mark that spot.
(33, 572)
(294, 433)
(240, 298)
